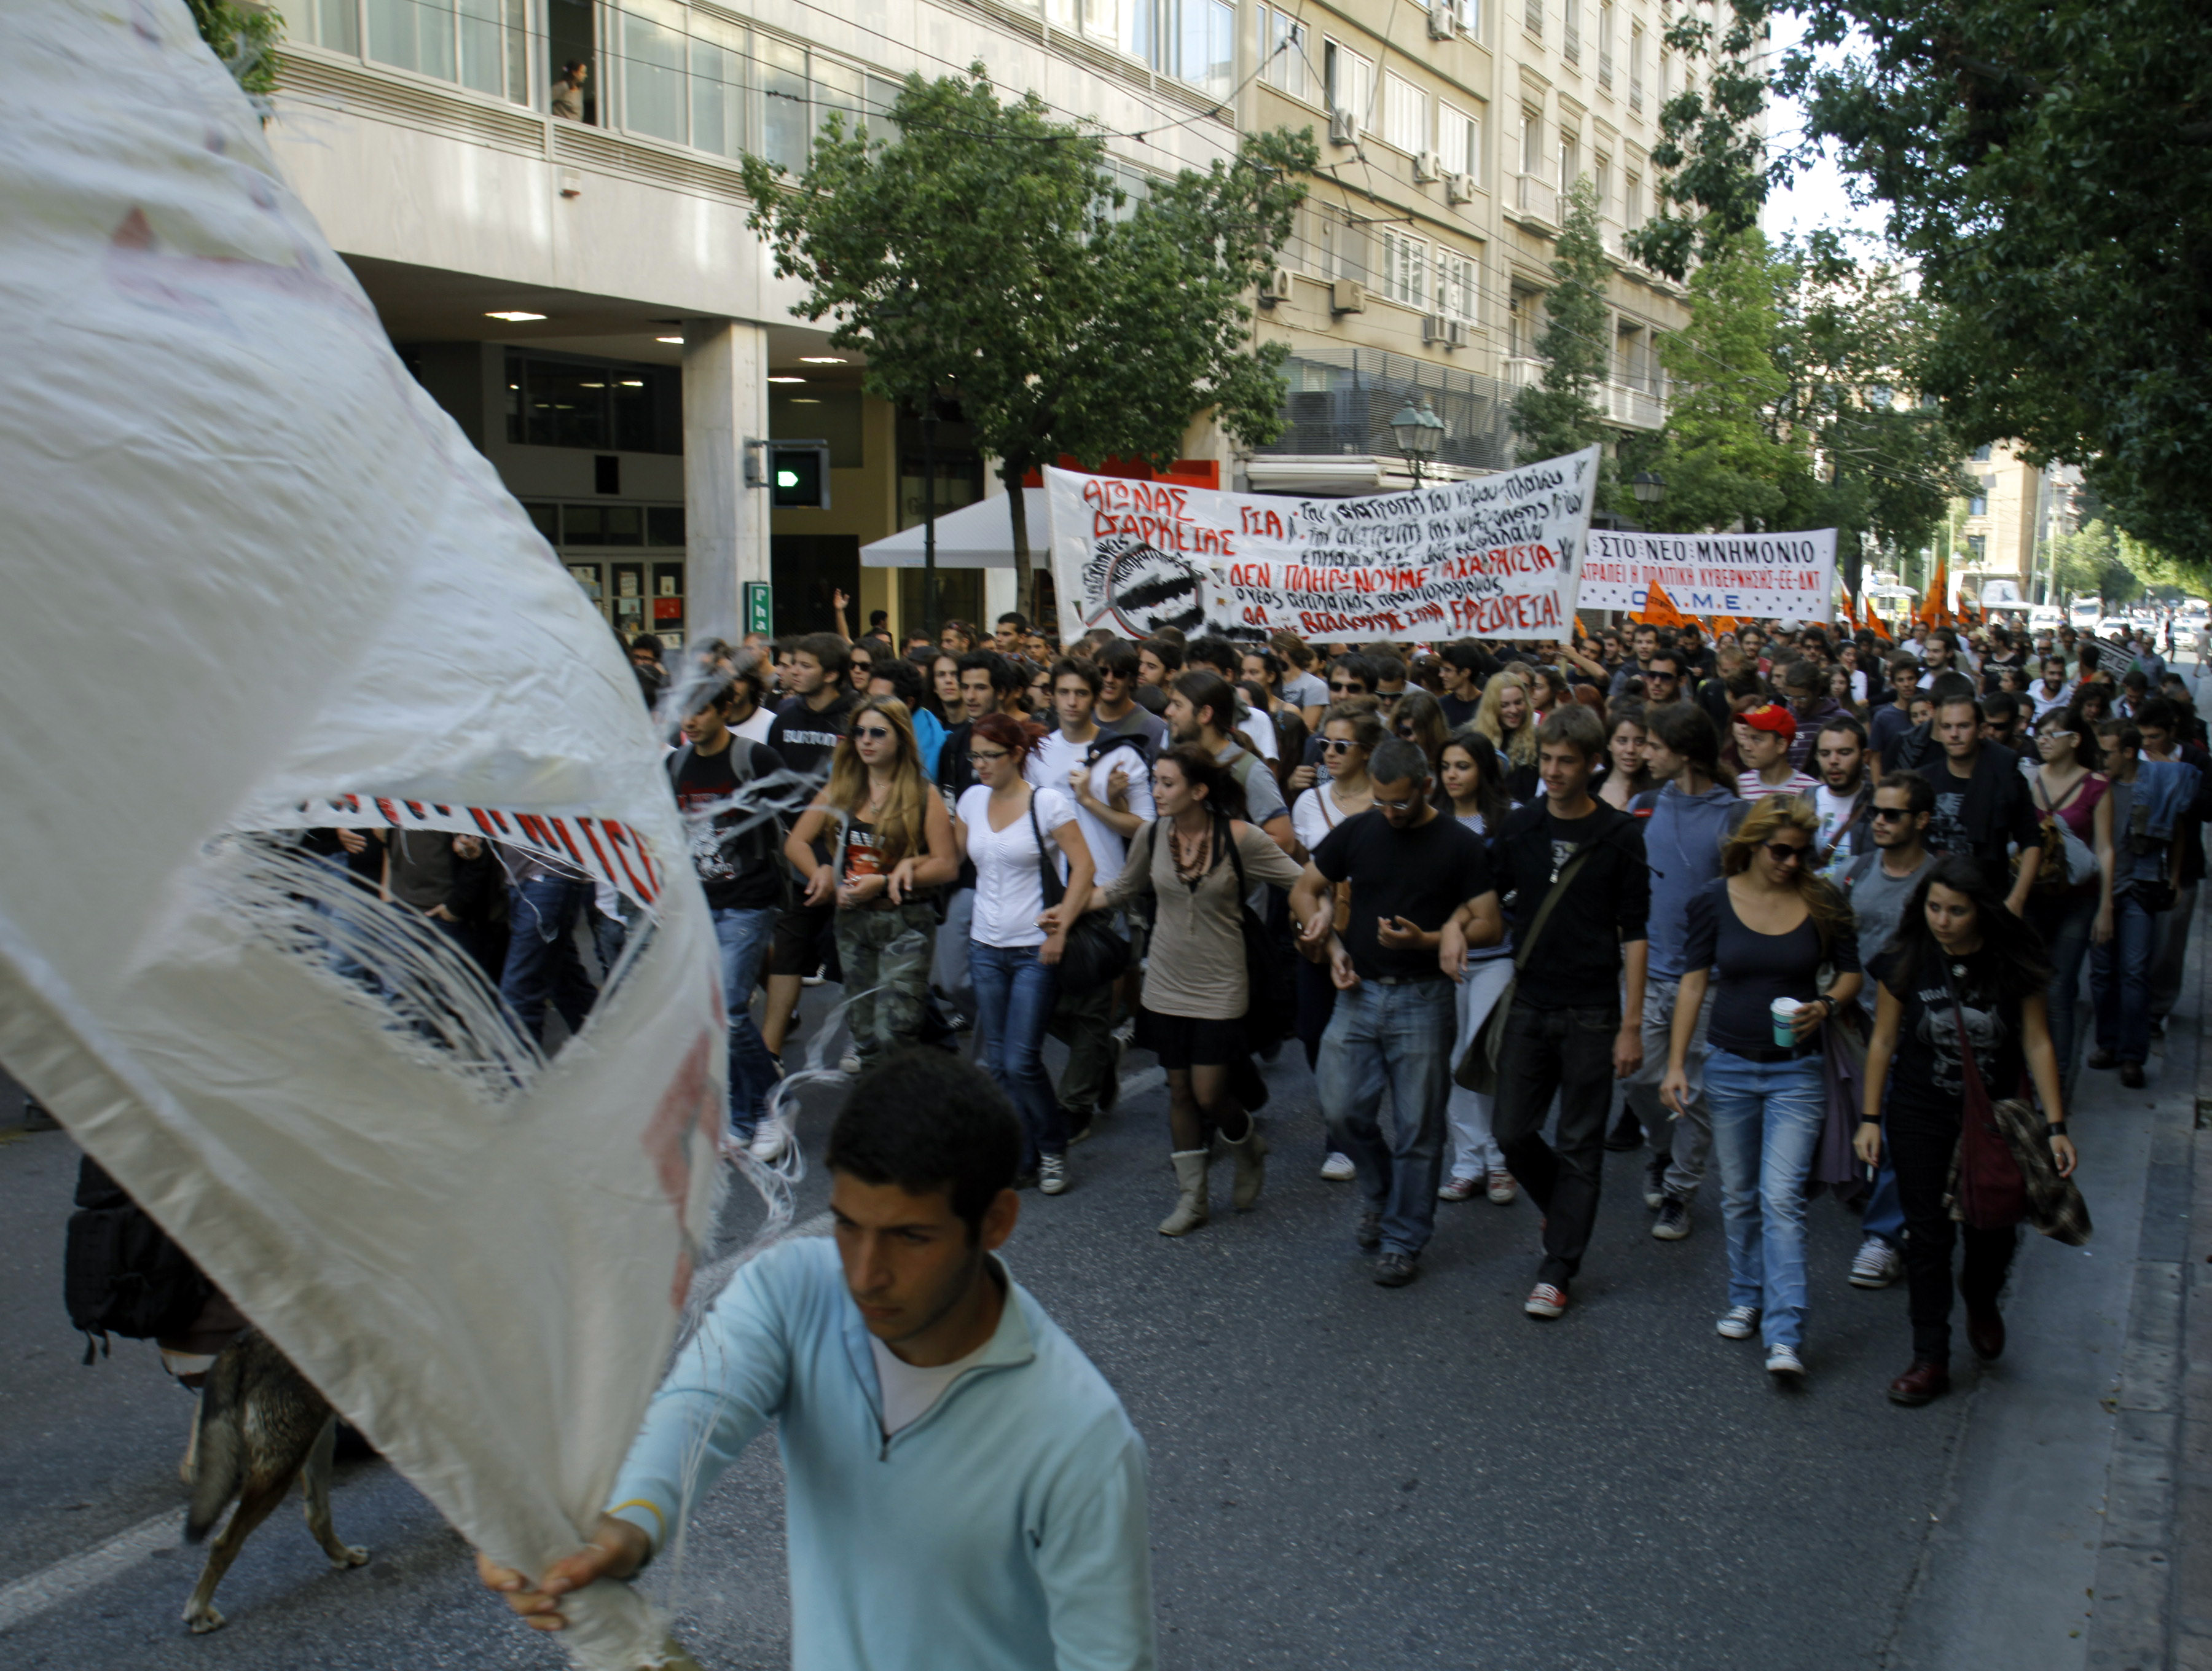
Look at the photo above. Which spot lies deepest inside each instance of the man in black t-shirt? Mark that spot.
(805, 736)
(1413, 872)
(1569, 1032)
(733, 849)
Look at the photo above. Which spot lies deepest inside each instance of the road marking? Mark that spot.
(27, 1598)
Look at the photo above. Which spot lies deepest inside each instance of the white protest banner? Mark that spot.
(1780, 577)
(1494, 557)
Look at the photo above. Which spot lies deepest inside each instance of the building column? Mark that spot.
(726, 523)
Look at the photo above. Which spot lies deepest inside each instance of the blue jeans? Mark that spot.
(1766, 1124)
(542, 961)
(2064, 924)
(744, 934)
(1396, 1039)
(1884, 1208)
(1014, 996)
(2120, 981)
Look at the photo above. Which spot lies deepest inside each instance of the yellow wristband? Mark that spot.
(653, 1508)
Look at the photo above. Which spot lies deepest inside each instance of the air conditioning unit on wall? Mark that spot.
(1343, 127)
(1347, 296)
(1425, 166)
(1276, 289)
(1456, 334)
(1432, 327)
(1459, 188)
(1443, 24)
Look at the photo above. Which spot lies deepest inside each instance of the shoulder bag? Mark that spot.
(1478, 1068)
(1093, 955)
(1264, 973)
(1989, 1193)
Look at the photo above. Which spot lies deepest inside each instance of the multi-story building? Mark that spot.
(563, 259)
(2004, 528)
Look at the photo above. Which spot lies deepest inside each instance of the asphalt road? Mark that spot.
(1343, 1476)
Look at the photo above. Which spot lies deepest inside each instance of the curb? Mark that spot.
(2152, 1605)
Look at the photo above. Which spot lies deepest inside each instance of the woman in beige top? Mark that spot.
(1194, 995)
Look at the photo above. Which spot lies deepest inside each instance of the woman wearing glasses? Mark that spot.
(1003, 827)
(1760, 934)
(893, 848)
(2066, 789)
(1349, 730)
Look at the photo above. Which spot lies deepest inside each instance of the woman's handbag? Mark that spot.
(1094, 954)
(1478, 1069)
(1263, 1004)
(1989, 1194)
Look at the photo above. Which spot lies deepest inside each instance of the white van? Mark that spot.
(2045, 617)
(2083, 614)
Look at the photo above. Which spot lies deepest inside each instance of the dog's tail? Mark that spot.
(219, 1456)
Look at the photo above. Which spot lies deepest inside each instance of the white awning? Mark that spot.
(977, 536)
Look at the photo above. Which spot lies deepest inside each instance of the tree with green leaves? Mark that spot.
(1725, 453)
(2047, 166)
(245, 38)
(1887, 463)
(980, 252)
(1560, 414)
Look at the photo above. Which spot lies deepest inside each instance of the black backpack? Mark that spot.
(121, 1275)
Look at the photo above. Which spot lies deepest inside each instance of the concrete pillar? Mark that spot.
(726, 523)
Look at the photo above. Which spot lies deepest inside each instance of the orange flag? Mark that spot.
(1579, 634)
(1659, 610)
(1724, 623)
(1933, 610)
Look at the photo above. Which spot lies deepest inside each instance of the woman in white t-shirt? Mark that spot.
(1001, 825)
(1471, 788)
(1350, 731)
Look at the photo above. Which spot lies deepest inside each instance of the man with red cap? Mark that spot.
(1763, 736)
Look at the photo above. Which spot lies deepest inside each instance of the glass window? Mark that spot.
(1459, 140)
(1405, 269)
(785, 120)
(413, 35)
(654, 51)
(664, 525)
(1284, 40)
(1570, 30)
(1532, 18)
(837, 92)
(1351, 84)
(546, 518)
(717, 89)
(1456, 286)
(603, 406)
(1405, 114)
(1636, 66)
(882, 98)
(332, 23)
(1631, 208)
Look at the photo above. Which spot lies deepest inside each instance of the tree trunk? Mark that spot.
(1017, 507)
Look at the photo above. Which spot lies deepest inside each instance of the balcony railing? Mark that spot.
(1522, 373)
(1536, 196)
(1639, 408)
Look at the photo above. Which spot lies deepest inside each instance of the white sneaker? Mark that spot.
(770, 1139)
(1737, 1322)
(1338, 1168)
(850, 1066)
(1876, 1264)
(1784, 1360)
(1052, 1174)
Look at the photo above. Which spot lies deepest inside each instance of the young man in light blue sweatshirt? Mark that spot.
(963, 1487)
(1686, 819)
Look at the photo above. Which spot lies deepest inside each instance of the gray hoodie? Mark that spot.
(1682, 837)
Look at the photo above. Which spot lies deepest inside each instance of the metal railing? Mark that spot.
(1340, 402)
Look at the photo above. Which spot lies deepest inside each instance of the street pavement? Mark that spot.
(1343, 1476)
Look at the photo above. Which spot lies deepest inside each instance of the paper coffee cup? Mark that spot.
(1784, 1011)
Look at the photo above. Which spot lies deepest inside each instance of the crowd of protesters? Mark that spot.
(1759, 884)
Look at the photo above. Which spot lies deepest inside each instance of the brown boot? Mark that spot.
(1923, 1382)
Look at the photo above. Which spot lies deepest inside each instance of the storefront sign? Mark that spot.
(1784, 577)
(760, 608)
(1495, 557)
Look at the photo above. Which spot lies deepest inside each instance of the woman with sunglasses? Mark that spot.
(1507, 719)
(860, 665)
(2065, 788)
(1625, 773)
(1419, 719)
(894, 847)
(1963, 972)
(1349, 732)
(1193, 1013)
(1001, 828)
(1759, 933)
(1467, 787)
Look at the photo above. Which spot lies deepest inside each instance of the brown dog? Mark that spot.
(259, 1425)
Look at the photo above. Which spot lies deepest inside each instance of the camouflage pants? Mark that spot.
(886, 957)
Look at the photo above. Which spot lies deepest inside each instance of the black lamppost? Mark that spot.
(1420, 432)
(1649, 487)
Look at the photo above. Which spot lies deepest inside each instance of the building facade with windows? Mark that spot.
(541, 198)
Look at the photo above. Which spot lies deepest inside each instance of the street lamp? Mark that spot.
(1420, 432)
(1650, 487)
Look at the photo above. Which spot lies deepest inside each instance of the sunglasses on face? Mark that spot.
(876, 732)
(1398, 805)
(1337, 744)
(1782, 852)
(1889, 814)
(1351, 685)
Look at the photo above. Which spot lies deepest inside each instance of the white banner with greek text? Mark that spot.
(1786, 577)
(1494, 557)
